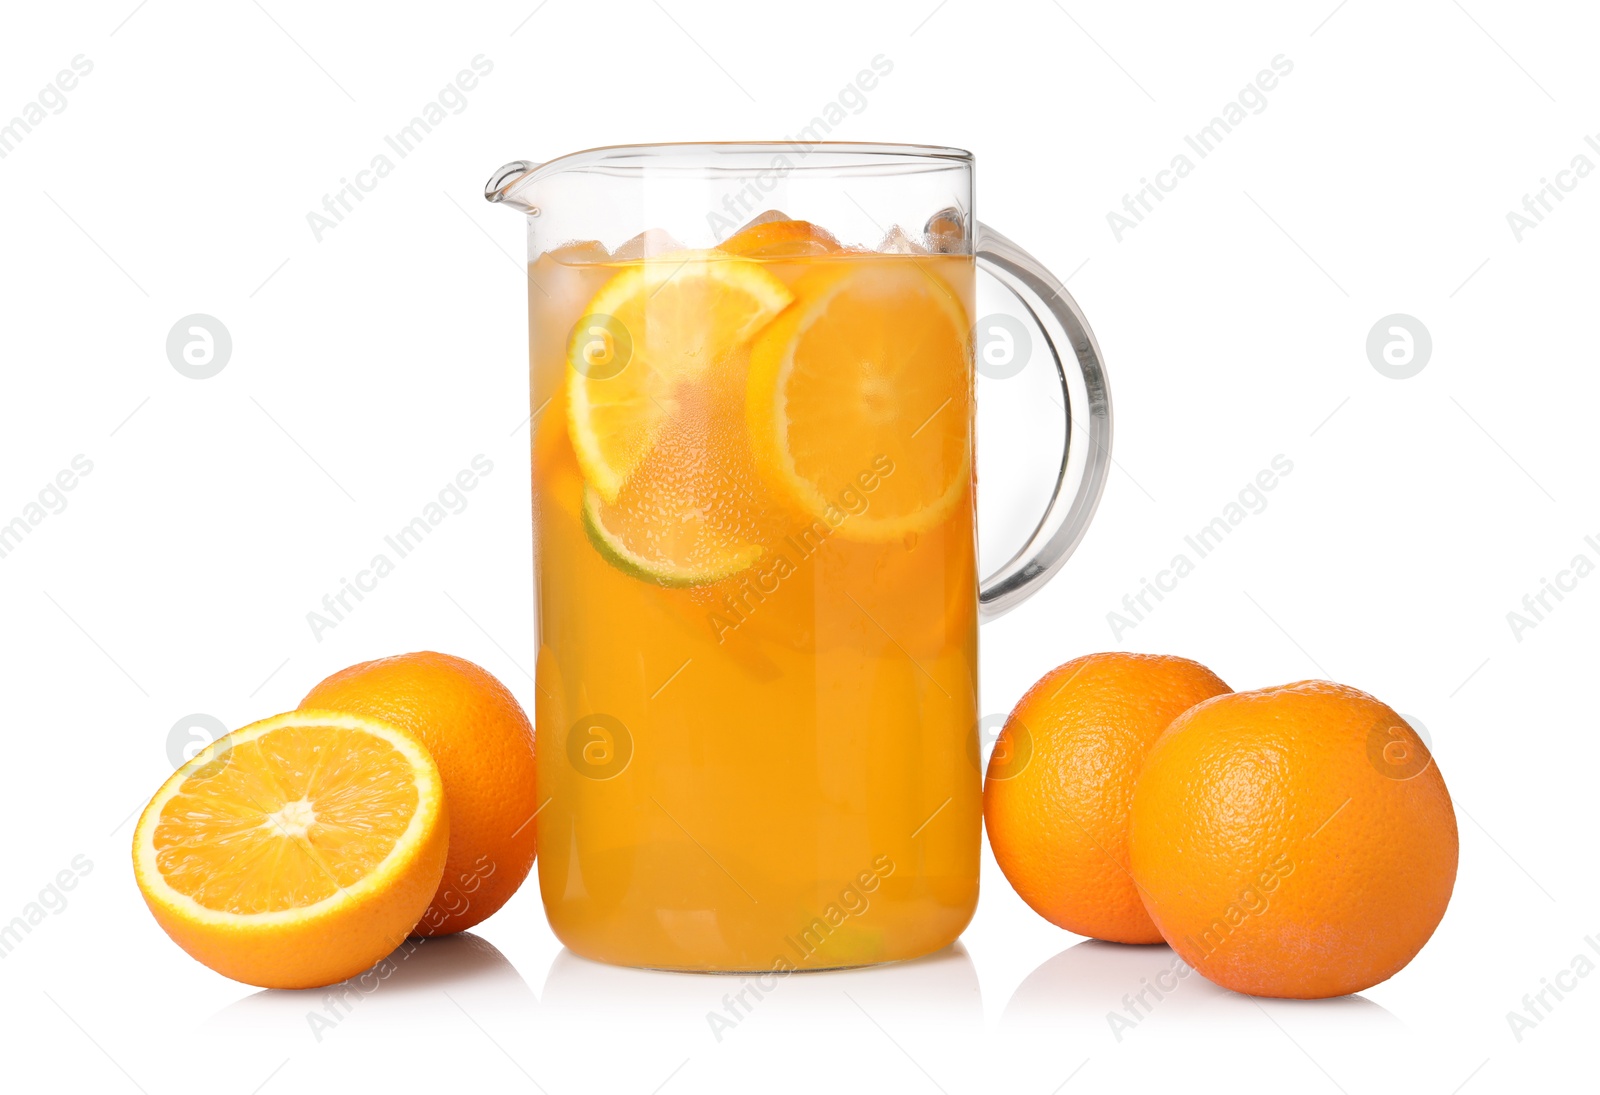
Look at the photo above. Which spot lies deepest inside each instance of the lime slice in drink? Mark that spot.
(671, 542)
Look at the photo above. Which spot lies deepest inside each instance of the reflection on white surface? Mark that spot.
(1116, 989)
(941, 988)
(413, 979)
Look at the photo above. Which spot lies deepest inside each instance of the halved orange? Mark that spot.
(296, 851)
(650, 335)
(859, 397)
(780, 239)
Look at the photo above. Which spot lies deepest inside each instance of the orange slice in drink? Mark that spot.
(653, 334)
(859, 398)
(781, 239)
(297, 851)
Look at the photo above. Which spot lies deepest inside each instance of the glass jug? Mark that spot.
(755, 541)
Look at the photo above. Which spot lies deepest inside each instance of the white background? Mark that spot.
(370, 367)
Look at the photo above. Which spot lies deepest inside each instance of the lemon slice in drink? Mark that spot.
(859, 398)
(652, 334)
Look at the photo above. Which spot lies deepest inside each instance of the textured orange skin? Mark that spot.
(318, 951)
(1275, 856)
(1059, 826)
(483, 744)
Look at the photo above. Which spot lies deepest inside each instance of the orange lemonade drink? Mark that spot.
(757, 602)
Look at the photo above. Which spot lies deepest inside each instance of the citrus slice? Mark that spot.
(690, 515)
(859, 397)
(297, 851)
(653, 332)
(670, 545)
(479, 736)
(774, 239)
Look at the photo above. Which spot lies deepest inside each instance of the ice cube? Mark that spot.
(896, 242)
(761, 218)
(946, 231)
(575, 252)
(647, 244)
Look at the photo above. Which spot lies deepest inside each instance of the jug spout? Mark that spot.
(506, 185)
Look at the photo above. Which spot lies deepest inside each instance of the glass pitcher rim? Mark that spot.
(824, 157)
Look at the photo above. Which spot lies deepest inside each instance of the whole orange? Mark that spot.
(1294, 841)
(482, 743)
(1061, 780)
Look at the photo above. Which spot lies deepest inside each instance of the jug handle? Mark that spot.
(1086, 456)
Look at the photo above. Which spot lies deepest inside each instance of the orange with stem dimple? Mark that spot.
(1294, 841)
(1061, 780)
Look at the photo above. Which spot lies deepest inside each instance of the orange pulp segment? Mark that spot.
(862, 386)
